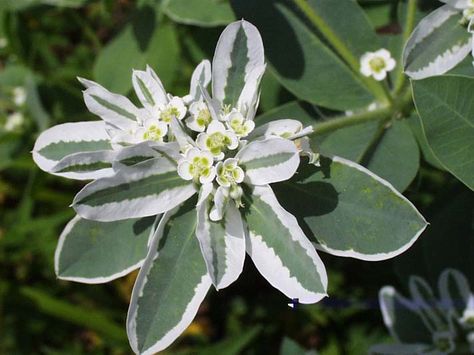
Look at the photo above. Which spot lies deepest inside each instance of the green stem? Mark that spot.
(373, 86)
(345, 121)
(409, 25)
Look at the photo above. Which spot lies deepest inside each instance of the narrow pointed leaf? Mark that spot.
(69, 138)
(238, 51)
(309, 66)
(448, 122)
(148, 87)
(98, 252)
(454, 291)
(401, 317)
(280, 250)
(134, 154)
(171, 285)
(145, 189)
(114, 109)
(201, 78)
(86, 165)
(350, 211)
(269, 161)
(437, 44)
(222, 244)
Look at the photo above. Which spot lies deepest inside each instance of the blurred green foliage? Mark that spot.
(45, 44)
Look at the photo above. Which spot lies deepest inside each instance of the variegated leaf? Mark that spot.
(280, 250)
(171, 284)
(401, 317)
(145, 189)
(86, 165)
(148, 87)
(66, 139)
(97, 252)
(201, 78)
(238, 52)
(222, 244)
(437, 44)
(134, 154)
(454, 291)
(114, 109)
(269, 161)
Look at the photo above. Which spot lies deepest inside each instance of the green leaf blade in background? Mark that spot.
(309, 69)
(204, 13)
(351, 212)
(171, 284)
(447, 116)
(146, 40)
(98, 252)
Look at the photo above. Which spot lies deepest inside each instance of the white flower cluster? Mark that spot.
(15, 120)
(377, 64)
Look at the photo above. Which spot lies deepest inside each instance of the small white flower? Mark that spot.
(197, 165)
(377, 64)
(174, 108)
(3, 42)
(200, 116)
(217, 139)
(14, 121)
(229, 173)
(152, 130)
(239, 125)
(19, 95)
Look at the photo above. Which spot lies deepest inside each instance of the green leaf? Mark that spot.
(401, 317)
(280, 250)
(98, 252)
(171, 285)
(437, 44)
(146, 40)
(62, 141)
(301, 61)
(205, 13)
(24, 4)
(391, 152)
(291, 347)
(145, 189)
(448, 122)
(350, 211)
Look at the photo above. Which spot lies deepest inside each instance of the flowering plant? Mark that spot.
(181, 189)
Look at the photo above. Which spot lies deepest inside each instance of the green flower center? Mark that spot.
(168, 113)
(200, 166)
(228, 174)
(377, 64)
(216, 142)
(238, 127)
(153, 133)
(203, 117)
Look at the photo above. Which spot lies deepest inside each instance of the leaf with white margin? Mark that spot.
(454, 291)
(402, 318)
(447, 118)
(134, 154)
(148, 87)
(222, 244)
(86, 165)
(97, 252)
(250, 95)
(269, 161)
(428, 306)
(458, 4)
(238, 52)
(280, 250)
(114, 109)
(171, 284)
(201, 78)
(402, 349)
(145, 189)
(349, 211)
(437, 44)
(69, 138)
(283, 128)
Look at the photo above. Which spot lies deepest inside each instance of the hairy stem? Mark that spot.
(373, 86)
